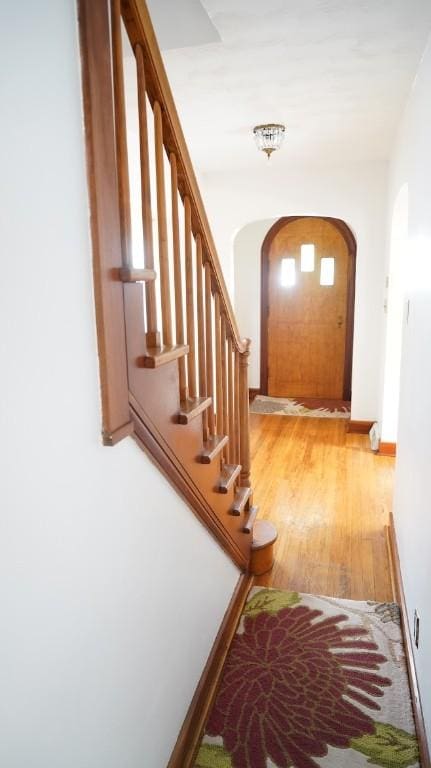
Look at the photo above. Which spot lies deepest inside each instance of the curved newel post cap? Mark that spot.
(262, 548)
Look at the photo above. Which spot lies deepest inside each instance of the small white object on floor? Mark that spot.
(374, 437)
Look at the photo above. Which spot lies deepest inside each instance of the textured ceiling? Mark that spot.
(336, 72)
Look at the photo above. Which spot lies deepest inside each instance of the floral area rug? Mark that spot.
(312, 681)
(285, 406)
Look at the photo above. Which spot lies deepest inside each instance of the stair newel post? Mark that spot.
(201, 330)
(178, 283)
(218, 365)
(165, 292)
(237, 409)
(152, 334)
(190, 304)
(230, 387)
(244, 415)
(121, 135)
(209, 346)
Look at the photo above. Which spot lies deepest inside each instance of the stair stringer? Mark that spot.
(154, 403)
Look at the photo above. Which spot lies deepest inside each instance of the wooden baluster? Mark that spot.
(121, 135)
(179, 310)
(244, 416)
(165, 293)
(152, 335)
(190, 305)
(209, 346)
(237, 410)
(218, 367)
(201, 330)
(230, 387)
(224, 384)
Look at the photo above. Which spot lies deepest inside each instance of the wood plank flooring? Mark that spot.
(329, 497)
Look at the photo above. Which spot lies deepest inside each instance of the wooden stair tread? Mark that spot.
(130, 275)
(212, 447)
(191, 408)
(264, 534)
(228, 476)
(251, 518)
(162, 355)
(241, 497)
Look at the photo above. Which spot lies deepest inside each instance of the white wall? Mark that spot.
(412, 504)
(111, 591)
(246, 207)
(395, 285)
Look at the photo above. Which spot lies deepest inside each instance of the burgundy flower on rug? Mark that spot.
(290, 685)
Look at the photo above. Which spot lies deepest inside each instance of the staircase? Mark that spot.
(174, 370)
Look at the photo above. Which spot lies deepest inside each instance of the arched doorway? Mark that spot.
(307, 308)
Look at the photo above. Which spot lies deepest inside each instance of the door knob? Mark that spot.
(340, 321)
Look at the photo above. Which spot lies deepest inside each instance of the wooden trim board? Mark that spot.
(189, 738)
(151, 441)
(359, 427)
(387, 449)
(414, 685)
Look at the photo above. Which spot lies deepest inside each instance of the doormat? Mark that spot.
(285, 406)
(312, 682)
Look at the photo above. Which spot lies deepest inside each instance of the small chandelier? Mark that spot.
(269, 137)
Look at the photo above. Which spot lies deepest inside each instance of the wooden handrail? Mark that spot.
(140, 30)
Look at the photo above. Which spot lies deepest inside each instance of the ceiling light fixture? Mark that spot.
(269, 137)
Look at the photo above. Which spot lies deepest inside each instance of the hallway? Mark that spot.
(330, 498)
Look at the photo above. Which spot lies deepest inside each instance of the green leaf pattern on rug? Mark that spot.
(270, 601)
(388, 747)
(213, 756)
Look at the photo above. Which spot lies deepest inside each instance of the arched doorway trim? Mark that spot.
(350, 241)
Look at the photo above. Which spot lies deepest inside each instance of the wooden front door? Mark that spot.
(309, 270)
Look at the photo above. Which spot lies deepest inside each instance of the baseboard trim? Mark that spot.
(189, 738)
(414, 685)
(359, 427)
(387, 449)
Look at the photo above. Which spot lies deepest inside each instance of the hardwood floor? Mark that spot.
(330, 498)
